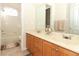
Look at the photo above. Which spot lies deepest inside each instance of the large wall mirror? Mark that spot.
(65, 17)
(61, 17)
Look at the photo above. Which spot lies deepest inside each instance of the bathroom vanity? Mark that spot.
(53, 44)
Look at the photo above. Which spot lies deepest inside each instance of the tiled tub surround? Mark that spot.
(57, 38)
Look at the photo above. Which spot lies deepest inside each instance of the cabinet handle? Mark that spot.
(56, 49)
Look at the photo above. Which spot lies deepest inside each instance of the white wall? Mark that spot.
(28, 21)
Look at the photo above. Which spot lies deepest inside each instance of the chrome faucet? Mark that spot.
(48, 30)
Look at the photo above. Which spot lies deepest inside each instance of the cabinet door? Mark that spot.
(46, 48)
(30, 43)
(38, 43)
(36, 52)
(37, 47)
(55, 52)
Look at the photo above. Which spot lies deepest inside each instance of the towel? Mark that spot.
(59, 25)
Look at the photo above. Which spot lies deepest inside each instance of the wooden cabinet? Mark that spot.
(40, 47)
(34, 45)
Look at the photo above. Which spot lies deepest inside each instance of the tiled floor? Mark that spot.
(16, 51)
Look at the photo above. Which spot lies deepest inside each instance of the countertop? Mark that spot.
(57, 38)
